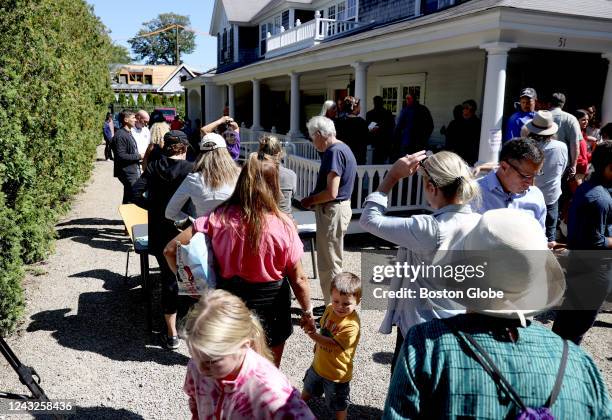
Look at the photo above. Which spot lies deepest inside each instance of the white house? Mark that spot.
(279, 60)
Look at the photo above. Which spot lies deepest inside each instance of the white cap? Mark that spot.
(212, 141)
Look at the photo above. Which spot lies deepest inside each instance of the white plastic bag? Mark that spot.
(195, 264)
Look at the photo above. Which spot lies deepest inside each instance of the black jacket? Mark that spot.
(160, 180)
(354, 132)
(126, 153)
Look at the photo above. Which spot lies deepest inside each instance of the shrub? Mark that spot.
(54, 91)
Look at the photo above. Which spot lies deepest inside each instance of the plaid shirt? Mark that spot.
(434, 378)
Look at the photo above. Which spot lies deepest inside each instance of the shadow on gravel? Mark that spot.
(382, 357)
(111, 239)
(107, 323)
(96, 413)
(89, 221)
(317, 405)
(602, 324)
(112, 281)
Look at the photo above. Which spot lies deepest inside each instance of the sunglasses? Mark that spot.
(428, 154)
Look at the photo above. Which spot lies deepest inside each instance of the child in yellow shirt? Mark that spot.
(332, 368)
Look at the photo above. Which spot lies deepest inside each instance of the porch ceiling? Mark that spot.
(460, 30)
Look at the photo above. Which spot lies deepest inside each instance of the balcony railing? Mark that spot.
(305, 35)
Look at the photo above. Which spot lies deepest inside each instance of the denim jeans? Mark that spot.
(552, 215)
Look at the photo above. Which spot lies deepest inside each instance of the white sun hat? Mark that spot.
(510, 246)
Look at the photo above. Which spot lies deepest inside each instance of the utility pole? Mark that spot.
(177, 62)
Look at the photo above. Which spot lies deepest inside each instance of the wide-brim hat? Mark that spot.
(512, 250)
(212, 141)
(542, 124)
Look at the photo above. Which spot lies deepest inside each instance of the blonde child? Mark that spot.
(335, 345)
(230, 374)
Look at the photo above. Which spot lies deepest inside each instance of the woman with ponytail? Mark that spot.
(230, 374)
(270, 147)
(449, 188)
(257, 251)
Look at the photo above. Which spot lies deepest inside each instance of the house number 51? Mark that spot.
(562, 42)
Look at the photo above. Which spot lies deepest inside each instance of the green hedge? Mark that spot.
(54, 91)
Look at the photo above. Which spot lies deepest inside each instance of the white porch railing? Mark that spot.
(406, 195)
(303, 159)
(305, 35)
(298, 147)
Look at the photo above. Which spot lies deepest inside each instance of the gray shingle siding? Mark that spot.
(382, 11)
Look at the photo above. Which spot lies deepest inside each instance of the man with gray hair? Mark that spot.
(331, 199)
(569, 129)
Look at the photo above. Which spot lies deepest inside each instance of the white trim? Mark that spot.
(169, 79)
(428, 36)
(236, 43)
(334, 83)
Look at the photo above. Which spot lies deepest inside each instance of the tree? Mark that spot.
(161, 47)
(140, 100)
(120, 55)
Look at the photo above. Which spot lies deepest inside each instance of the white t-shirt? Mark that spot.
(142, 137)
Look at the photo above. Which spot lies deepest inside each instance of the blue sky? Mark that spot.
(124, 18)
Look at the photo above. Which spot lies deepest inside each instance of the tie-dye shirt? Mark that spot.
(260, 391)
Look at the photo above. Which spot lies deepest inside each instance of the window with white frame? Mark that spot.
(394, 90)
(264, 28)
(342, 10)
(272, 25)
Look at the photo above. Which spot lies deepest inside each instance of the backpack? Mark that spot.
(525, 413)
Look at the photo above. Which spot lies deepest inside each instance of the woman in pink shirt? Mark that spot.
(230, 374)
(257, 250)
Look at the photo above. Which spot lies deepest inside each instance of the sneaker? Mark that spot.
(170, 343)
(319, 310)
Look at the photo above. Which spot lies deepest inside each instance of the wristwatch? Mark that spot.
(307, 312)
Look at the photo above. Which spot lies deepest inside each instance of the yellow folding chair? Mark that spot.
(132, 215)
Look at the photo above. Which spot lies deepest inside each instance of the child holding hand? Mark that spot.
(230, 374)
(335, 346)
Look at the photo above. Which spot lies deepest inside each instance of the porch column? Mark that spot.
(210, 113)
(294, 121)
(256, 106)
(493, 103)
(606, 103)
(230, 100)
(361, 86)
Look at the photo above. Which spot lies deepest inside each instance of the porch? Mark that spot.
(302, 158)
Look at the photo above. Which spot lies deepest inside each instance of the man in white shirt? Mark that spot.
(141, 132)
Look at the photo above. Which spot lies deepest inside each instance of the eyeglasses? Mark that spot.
(522, 175)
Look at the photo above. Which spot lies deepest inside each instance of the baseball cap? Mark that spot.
(529, 92)
(212, 141)
(175, 137)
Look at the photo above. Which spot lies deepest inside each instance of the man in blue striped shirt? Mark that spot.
(511, 184)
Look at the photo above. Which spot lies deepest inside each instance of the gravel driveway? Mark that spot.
(84, 328)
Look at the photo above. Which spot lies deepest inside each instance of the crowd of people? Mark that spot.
(472, 360)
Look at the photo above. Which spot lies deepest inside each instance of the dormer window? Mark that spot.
(342, 10)
(273, 26)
